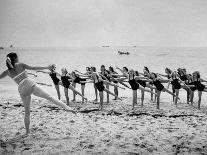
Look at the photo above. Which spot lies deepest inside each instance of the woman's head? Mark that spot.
(131, 72)
(88, 69)
(103, 68)
(73, 73)
(189, 77)
(125, 69)
(111, 69)
(168, 71)
(174, 75)
(136, 73)
(93, 69)
(153, 75)
(53, 68)
(11, 59)
(146, 69)
(64, 71)
(196, 75)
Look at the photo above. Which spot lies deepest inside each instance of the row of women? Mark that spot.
(146, 82)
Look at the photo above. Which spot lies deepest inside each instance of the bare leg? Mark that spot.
(37, 91)
(26, 101)
(158, 99)
(142, 88)
(116, 91)
(176, 93)
(199, 99)
(83, 92)
(66, 95)
(107, 86)
(152, 94)
(74, 94)
(101, 100)
(134, 93)
(106, 90)
(96, 92)
(58, 91)
(171, 93)
(142, 98)
(191, 97)
(74, 90)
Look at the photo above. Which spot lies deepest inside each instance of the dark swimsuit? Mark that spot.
(183, 77)
(142, 83)
(78, 80)
(190, 83)
(54, 78)
(115, 76)
(134, 85)
(100, 85)
(198, 85)
(158, 85)
(106, 76)
(176, 84)
(65, 81)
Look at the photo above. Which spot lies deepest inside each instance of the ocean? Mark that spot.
(155, 58)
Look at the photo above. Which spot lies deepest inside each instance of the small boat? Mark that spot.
(1, 48)
(105, 46)
(123, 53)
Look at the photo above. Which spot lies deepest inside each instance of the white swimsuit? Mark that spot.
(25, 87)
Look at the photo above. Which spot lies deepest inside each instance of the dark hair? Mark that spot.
(126, 69)
(103, 66)
(168, 69)
(146, 68)
(155, 75)
(136, 73)
(93, 69)
(11, 57)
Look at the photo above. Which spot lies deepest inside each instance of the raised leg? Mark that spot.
(37, 91)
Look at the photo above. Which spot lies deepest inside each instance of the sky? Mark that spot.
(46, 23)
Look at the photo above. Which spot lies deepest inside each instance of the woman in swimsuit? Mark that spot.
(199, 86)
(113, 74)
(177, 84)
(66, 81)
(26, 86)
(53, 74)
(189, 83)
(93, 69)
(143, 82)
(160, 88)
(99, 83)
(147, 74)
(132, 79)
(105, 75)
(79, 79)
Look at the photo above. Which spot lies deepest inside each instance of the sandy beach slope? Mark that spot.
(115, 130)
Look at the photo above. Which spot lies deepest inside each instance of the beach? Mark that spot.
(116, 129)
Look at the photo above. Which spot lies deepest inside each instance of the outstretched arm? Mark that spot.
(3, 74)
(202, 80)
(42, 72)
(35, 67)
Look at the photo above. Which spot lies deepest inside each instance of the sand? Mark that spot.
(115, 130)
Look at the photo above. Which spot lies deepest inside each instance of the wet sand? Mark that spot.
(115, 130)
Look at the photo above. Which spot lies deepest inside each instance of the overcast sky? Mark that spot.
(103, 22)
